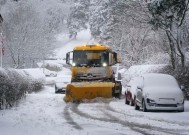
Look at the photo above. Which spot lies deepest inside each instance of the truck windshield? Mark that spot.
(90, 58)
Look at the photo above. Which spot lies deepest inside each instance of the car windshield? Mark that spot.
(90, 58)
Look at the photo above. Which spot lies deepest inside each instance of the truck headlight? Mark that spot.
(104, 64)
(73, 64)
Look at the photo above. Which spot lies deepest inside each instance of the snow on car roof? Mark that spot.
(139, 70)
(155, 79)
(63, 79)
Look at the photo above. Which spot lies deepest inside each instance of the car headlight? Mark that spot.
(181, 101)
(150, 101)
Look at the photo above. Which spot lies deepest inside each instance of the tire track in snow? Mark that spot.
(75, 109)
(139, 116)
(69, 119)
(139, 128)
(136, 126)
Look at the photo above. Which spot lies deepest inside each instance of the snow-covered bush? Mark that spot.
(14, 84)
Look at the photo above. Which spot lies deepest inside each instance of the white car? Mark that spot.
(49, 73)
(61, 83)
(159, 92)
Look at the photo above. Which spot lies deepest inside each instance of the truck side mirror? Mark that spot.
(119, 76)
(68, 58)
(115, 58)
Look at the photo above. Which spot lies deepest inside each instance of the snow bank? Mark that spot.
(36, 73)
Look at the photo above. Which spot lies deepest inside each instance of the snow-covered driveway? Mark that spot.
(45, 113)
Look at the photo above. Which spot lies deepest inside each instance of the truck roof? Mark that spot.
(96, 47)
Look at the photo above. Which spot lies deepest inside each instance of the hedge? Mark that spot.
(14, 84)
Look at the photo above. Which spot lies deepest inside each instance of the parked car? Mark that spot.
(61, 83)
(159, 92)
(130, 92)
(49, 73)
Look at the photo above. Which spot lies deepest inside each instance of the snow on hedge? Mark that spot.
(36, 73)
(15, 83)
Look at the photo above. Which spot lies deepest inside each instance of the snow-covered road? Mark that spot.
(45, 113)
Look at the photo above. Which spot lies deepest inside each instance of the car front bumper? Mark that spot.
(165, 107)
(60, 89)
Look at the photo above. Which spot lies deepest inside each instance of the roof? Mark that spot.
(97, 47)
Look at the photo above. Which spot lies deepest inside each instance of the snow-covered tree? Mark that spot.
(30, 27)
(78, 17)
(124, 26)
(169, 15)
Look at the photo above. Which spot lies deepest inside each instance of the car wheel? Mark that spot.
(144, 106)
(126, 101)
(136, 106)
(181, 110)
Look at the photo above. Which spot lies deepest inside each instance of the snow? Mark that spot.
(82, 39)
(64, 79)
(169, 120)
(138, 70)
(133, 84)
(45, 113)
(36, 73)
(162, 80)
(63, 72)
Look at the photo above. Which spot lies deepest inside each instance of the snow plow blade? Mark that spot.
(79, 91)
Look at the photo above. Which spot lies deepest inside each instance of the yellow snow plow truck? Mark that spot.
(92, 73)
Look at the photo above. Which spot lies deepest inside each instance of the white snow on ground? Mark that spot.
(45, 113)
(169, 120)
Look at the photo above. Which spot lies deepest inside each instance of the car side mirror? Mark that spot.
(182, 88)
(139, 87)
